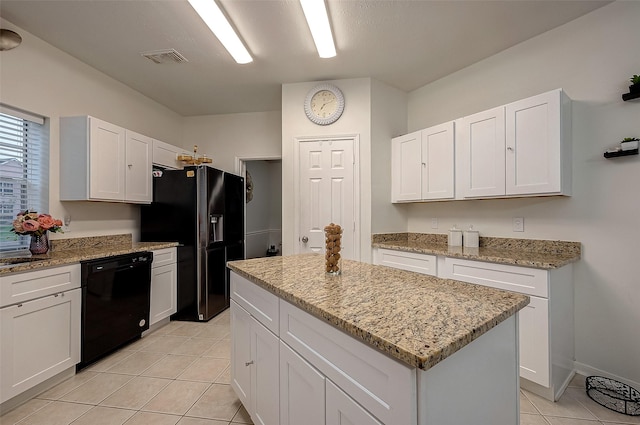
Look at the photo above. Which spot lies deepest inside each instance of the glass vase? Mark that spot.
(333, 259)
(39, 244)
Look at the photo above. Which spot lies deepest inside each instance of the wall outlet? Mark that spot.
(434, 223)
(518, 224)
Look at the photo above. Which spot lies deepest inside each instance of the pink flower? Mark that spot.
(30, 226)
(58, 223)
(46, 221)
(17, 225)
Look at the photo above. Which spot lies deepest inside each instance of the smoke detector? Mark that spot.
(164, 56)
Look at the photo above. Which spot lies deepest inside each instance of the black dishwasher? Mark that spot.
(115, 303)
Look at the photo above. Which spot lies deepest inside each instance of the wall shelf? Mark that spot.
(620, 153)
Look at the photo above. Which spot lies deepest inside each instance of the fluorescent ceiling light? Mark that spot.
(318, 21)
(218, 24)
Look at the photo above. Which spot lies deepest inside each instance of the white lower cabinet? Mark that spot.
(302, 390)
(164, 285)
(254, 366)
(343, 410)
(39, 338)
(545, 325)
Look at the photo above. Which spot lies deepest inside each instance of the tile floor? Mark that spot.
(180, 375)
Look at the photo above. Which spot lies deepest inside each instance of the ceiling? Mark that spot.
(403, 43)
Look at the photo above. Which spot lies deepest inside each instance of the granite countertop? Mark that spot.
(541, 254)
(69, 251)
(418, 319)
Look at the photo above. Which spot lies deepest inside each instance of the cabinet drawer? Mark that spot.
(21, 287)
(260, 303)
(382, 385)
(523, 280)
(411, 261)
(162, 257)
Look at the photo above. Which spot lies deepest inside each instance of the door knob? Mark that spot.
(305, 239)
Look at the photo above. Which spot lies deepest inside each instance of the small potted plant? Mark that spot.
(635, 84)
(629, 143)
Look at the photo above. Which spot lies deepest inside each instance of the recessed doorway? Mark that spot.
(263, 205)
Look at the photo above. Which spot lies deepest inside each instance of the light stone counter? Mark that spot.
(418, 319)
(69, 251)
(541, 254)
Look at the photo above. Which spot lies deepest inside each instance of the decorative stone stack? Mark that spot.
(333, 236)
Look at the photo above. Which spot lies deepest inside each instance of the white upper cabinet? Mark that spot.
(166, 155)
(423, 164)
(406, 167)
(438, 162)
(538, 141)
(520, 149)
(138, 168)
(480, 146)
(100, 161)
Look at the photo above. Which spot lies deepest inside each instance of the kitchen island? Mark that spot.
(373, 345)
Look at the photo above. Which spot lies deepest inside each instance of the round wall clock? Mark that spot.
(324, 104)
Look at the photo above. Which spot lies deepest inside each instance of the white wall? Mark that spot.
(227, 137)
(41, 79)
(355, 120)
(388, 119)
(592, 59)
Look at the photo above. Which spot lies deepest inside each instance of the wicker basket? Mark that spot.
(614, 395)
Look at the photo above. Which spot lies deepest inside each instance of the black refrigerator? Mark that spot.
(202, 208)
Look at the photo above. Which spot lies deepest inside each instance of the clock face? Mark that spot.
(324, 104)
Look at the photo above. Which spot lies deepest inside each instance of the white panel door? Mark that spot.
(138, 167)
(406, 167)
(40, 339)
(164, 298)
(534, 341)
(302, 390)
(438, 162)
(326, 170)
(106, 160)
(343, 410)
(480, 156)
(241, 354)
(265, 349)
(533, 162)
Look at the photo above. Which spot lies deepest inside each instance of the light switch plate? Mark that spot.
(518, 224)
(434, 223)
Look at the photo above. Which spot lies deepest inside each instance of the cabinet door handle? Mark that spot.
(249, 363)
(424, 164)
(509, 148)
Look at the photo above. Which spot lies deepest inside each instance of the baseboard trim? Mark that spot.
(587, 370)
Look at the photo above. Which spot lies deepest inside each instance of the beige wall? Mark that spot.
(252, 135)
(355, 121)
(41, 79)
(592, 58)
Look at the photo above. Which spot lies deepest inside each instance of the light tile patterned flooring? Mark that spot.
(180, 375)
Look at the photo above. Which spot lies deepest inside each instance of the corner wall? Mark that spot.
(592, 58)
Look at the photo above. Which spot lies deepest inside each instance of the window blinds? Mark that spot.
(24, 171)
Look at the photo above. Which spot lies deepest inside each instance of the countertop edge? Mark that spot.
(475, 254)
(62, 258)
(378, 342)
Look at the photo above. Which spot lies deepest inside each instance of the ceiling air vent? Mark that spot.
(164, 56)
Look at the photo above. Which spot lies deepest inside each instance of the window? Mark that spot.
(24, 171)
